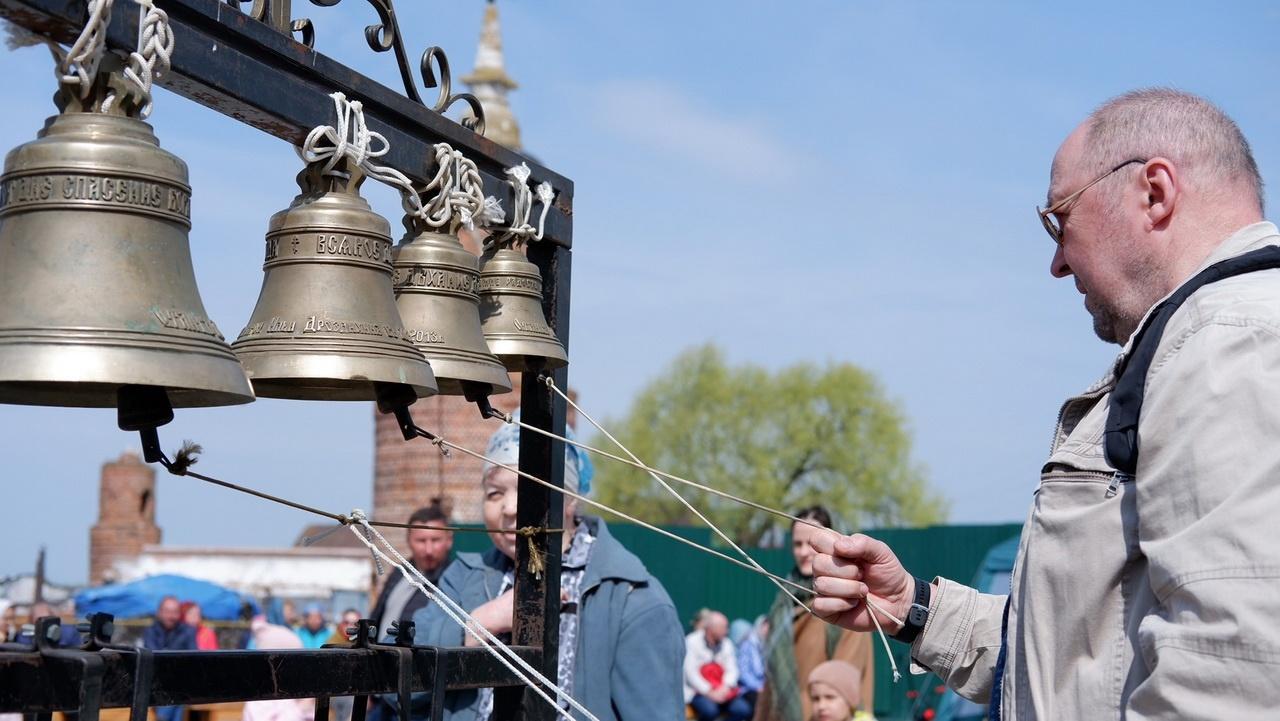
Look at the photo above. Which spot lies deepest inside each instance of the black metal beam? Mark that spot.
(227, 61)
(32, 682)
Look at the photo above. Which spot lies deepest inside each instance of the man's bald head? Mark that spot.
(1201, 140)
(716, 627)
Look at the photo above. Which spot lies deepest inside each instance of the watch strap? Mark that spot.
(917, 615)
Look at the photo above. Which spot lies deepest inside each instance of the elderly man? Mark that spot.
(711, 672)
(620, 642)
(1145, 582)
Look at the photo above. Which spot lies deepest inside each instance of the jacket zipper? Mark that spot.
(1116, 479)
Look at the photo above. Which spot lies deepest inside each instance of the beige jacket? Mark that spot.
(1154, 598)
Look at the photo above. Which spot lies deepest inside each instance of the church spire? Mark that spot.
(490, 83)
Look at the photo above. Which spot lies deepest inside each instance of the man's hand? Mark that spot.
(719, 694)
(846, 570)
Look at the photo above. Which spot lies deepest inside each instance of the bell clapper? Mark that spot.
(478, 393)
(144, 409)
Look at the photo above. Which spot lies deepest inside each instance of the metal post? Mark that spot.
(537, 603)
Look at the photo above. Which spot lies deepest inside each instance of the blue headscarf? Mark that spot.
(504, 448)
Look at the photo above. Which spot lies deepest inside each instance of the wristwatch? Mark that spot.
(917, 616)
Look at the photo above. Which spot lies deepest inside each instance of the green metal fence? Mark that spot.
(696, 580)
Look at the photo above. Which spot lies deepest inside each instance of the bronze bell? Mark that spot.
(511, 313)
(436, 283)
(326, 325)
(97, 290)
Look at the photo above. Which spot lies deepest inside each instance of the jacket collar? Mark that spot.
(609, 560)
(1250, 237)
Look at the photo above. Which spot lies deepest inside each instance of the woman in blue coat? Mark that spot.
(621, 643)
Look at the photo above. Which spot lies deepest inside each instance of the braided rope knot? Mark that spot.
(351, 139)
(80, 64)
(520, 230)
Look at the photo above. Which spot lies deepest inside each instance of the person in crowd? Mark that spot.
(1144, 585)
(700, 618)
(289, 614)
(9, 628)
(267, 637)
(348, 620)
(751, 661)
(711, 672)
(620, 650)
(341, 706)
(169, 633)
(834, 690)
(798, 641)
(430, 551)
(206, 639)
(313, 632)
(68, 635)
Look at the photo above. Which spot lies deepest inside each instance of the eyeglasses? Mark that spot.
(1046, 215)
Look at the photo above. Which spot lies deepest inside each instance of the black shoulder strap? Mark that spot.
(1121, 440)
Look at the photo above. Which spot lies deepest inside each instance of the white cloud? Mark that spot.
(665, 118)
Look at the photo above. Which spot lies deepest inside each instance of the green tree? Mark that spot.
(803, 435)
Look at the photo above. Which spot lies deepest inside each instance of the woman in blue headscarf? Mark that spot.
(621, 645)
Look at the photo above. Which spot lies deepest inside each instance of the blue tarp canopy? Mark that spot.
(140, 598)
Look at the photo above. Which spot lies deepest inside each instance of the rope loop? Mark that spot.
(519, 230)
(79, 66)
(151, 59)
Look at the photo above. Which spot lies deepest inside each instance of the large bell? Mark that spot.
(436, 283)
(511, 313)
(97, 291)
(326, 325)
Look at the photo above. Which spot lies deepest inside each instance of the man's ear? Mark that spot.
(1162, 185)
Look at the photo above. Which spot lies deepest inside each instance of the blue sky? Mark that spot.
(810, 181)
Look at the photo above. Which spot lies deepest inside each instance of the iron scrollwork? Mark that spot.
(382, 36)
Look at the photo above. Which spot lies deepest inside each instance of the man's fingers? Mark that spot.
(827, 607)
(825, 565)
(839, 587)
(861, 547)
(824, 540)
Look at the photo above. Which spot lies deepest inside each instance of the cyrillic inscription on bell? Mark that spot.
(97, 290)
(511, 312)
(326, 325)
(436, 283)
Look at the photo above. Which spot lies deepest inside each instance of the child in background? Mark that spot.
(833, 692)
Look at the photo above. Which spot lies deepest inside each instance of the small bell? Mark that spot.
(97, 289)
(326, 326)
(436, 283)
(511, 313)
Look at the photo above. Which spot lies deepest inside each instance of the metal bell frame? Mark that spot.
(250, 68)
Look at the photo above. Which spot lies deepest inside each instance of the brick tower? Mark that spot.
(126, 515)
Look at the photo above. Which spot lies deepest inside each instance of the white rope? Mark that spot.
(350, 138)
(725, 537)
(897, 676)
(519, 229)
(152, 58)
(459, 197)
(456, 192)
(460, 616)
(444, 444)
(872, 605)
(80, 64)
